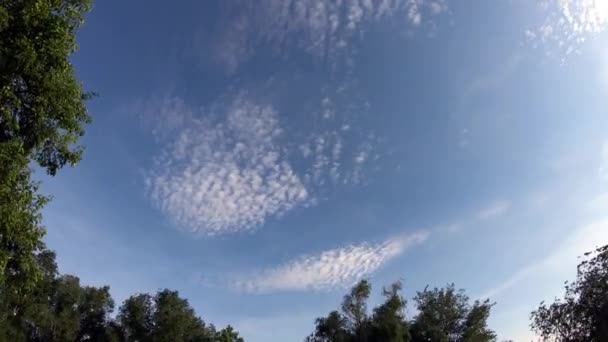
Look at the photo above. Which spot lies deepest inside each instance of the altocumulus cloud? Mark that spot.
(334, 268)
(227, 175)
(568, 24)
(324, 29)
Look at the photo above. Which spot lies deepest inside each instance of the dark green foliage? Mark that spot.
(388, 322)
(444, 315)
(42, 105)
(42, 112)
(164, 317)
(332, 328)
(354, 308)
(60, 309)
(228, 334)
(582, 315)
(20, 234)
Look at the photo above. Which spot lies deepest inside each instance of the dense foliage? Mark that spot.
(443, 315)
(582, 315)
(42, 105)
(20, 232)
(42, 112)
(59, 308)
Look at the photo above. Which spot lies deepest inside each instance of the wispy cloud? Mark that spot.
(584, 239)
(496, 209)
(324, 29)
(603, 168)
(494, 78)
(333, 268)
(224, 176)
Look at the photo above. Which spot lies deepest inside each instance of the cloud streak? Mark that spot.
(335, 268)
(494, 210)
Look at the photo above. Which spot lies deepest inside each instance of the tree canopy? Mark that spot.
(443, 315)
(60, 309)
(42, 105)
(582, 315)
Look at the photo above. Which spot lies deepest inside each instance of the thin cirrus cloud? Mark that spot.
(584, 239)
(334, 268)
(322, 29)
(494, 210)
(603, 168)
(226, 176)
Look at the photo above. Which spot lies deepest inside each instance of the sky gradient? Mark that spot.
(262, 156)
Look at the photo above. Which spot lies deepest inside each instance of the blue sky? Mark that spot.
(262, 156)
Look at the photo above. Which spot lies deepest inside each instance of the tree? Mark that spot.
(388, 322)
(135, 317)
(42, 112)
(20, 233)
(582, 315)
(354, 308)
(164, 317)
(332, 328)
(228, 334)
(42, 105)
(446, 315)
(60, 309)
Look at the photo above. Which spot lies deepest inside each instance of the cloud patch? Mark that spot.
(225, 175)
(335, 268)
(568, 24)
(324, 30)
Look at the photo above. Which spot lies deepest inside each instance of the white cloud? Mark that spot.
(361, 157)
(335, 268)
(568, 24)
(494, 210)
(324, 29)
(225, 176)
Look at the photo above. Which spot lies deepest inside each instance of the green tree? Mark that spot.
(136, 317)
(582, 315)
(388, 322)
(332, 328)
(228, 334)
(20, 233)
(354, 308)
(42, 105)
(445, 315)
(42, 113)
(60, 309)
(165, 317)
